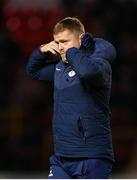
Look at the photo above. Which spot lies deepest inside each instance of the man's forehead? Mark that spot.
(65, 32)
(63, 35)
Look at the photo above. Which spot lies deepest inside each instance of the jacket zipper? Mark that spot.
(82, 129)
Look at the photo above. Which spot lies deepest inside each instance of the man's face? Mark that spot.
(66, 40)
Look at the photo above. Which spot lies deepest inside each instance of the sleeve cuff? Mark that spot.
(40, 54)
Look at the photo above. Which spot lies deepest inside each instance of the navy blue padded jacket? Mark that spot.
(81, 120)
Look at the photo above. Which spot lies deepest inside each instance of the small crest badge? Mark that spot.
(72, 73)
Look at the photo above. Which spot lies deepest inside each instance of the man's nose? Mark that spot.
(60, 46)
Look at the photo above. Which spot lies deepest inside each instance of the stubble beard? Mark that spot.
(64, 60)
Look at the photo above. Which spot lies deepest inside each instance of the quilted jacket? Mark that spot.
(82, 88)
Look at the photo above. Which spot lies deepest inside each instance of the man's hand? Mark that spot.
(87, 43)
(51, 47)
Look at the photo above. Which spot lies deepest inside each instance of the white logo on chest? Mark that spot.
(72, 73)
(58, 69)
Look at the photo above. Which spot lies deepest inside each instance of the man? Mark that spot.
(80, 67)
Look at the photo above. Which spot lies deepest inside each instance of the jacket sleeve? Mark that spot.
(95, 67)
(37, 67)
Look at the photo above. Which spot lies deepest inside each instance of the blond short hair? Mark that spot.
(69, 23)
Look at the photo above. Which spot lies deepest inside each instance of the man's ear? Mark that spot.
(80, 37)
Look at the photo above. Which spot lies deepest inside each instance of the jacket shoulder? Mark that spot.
(105, 49)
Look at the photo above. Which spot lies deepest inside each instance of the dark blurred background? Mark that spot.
(26, 104)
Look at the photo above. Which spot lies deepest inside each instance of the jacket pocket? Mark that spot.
(88, 127)
(82, 128)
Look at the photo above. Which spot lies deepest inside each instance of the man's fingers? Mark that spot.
(52, 51)
(52, 47)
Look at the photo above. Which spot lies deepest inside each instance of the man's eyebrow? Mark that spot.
(61, 41)
(56, 42)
